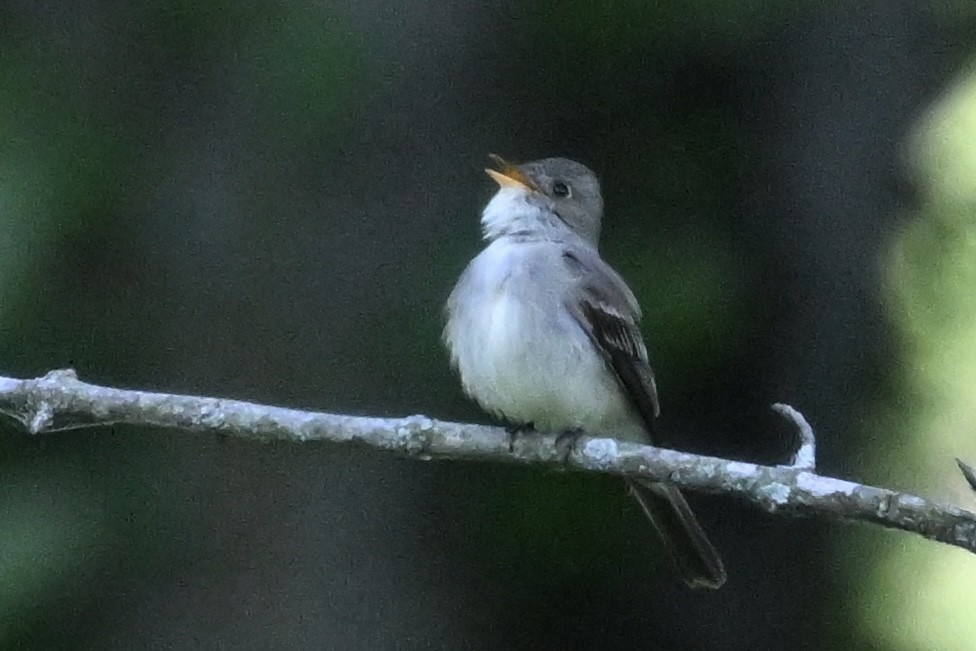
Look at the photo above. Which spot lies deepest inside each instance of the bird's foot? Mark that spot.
(566, 442)
(515, 431)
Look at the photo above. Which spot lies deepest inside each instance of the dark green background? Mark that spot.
(271, 201)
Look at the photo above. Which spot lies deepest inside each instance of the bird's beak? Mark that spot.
(509, 176)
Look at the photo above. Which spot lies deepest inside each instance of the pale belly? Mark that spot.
(522, 356)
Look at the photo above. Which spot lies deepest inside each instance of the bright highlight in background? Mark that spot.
(922, 595)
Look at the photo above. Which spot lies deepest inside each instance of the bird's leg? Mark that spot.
(515, 431)
(566, 442)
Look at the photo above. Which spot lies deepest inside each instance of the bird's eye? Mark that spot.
(560, 189)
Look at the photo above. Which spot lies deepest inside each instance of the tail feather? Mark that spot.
(697, 561)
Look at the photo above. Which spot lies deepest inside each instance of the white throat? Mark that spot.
(511, 212)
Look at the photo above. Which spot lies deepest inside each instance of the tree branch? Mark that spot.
(59, 401)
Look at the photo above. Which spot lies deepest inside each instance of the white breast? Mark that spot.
(519, 351)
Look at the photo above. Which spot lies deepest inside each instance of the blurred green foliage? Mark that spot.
(164, 167)
(932, 283)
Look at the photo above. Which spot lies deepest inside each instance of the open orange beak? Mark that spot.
(509, 176)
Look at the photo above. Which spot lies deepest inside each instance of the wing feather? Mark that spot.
(608, 312)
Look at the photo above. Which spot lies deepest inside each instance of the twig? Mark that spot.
(59, 401)
(968, 472)
(806, 455)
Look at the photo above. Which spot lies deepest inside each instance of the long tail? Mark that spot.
(697, 561)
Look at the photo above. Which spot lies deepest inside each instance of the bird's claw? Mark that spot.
(515, 431)
(566, 442)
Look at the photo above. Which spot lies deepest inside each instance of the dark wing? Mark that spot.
(608, 312)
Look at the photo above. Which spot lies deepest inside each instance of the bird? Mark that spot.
(546, 335)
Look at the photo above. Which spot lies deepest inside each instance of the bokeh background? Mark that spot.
(271, 201)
